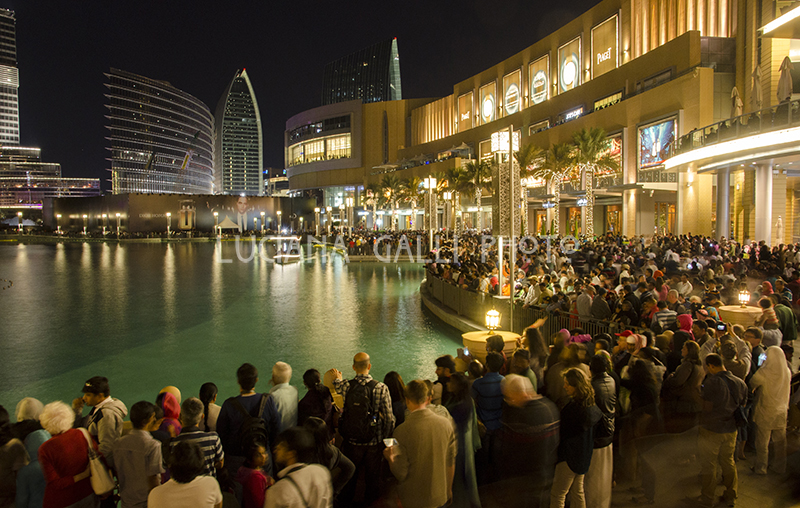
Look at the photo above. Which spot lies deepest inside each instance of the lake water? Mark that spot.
(151, 315)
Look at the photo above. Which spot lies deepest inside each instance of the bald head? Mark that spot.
(517, 390)
(361, 363)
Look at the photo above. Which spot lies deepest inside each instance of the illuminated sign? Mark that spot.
(605, 43)
(500, 141)
(655, 141)
(488, 102)
(465, 112)
(548, 204)
(511, 84)
(572, 114)
(582, 202)
(569, 57)
(539, 72)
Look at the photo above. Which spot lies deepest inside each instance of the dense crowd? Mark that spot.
(553, 418)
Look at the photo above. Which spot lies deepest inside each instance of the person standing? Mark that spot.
(137, 458)
(599, 477)
(285, 395)
(423, 461)
(771, 384)
(722, 393)
(191, 417)
(366, 419)
(578, 420)
(188, 487)
(104, 421)
(301, 484)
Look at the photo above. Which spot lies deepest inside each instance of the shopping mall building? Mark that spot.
(656, 75)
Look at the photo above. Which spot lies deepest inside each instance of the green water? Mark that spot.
(151, 315)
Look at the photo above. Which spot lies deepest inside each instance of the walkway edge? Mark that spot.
(449, 317)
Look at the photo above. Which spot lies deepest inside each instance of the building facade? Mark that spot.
(238, 140)
(371, 74)
(9, 80)
(26, 181)
(161, 137)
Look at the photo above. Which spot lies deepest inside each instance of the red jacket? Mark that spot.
(62, 457)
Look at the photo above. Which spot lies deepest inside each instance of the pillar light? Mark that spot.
(744, 297)
(492, 320)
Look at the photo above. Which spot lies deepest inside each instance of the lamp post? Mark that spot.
(279, 222)
(350, 202)
(492, 320)
(255, 224)
(85, 217)
(431, 218)
(342, 219)
(744, 297)
(169, 222)
(316, 221)
(262, 222)
(19, 222)
(301, 225)
(216, 223)
(329, 210)
(58, 223)
(446, 218)
(105, 220)
(119, 218)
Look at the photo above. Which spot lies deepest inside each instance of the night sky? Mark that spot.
(63, 48)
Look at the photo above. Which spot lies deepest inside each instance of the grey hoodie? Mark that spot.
(105, 424)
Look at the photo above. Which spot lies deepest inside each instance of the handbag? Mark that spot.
(102, 482)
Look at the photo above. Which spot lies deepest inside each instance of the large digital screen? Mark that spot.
(539, 72)
(605, 55)
(655, 141)
(569, 65)
(465, 112)
(512, 97)
(488, 105)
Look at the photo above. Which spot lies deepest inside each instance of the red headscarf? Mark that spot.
(685, 322)
(766, 290)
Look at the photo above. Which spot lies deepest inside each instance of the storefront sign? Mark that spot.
(605, 52)
(548, 204)
(582, 202)
(540, 82)
(570, 115)
(488, 102)
(569, 58)
(512, 97)
(465, 112)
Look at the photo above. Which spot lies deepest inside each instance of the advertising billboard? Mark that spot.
(569, 64)
(512, 96)
(655, 141)
(605, 44)
(465, 112)
(488, 104)
(539, 72)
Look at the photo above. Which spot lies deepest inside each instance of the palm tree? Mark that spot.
(390, 188)
(528, 157)
(370, 196)
(412, 191)
(478, 178)
(557, 162)
(591, 154)
(454, 181)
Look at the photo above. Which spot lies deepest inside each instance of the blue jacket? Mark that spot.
(30, 479)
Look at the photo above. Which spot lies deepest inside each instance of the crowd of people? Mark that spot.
(553, 419)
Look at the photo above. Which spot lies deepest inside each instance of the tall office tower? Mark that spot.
(9, 80)
(161, 137)
(238, 142)
(370, 75)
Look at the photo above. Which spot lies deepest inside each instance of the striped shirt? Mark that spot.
(381, 402)
(665, 318)
(208, 442)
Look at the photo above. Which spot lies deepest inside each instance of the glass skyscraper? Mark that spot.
(9, 80)
(371, 74)
(238, 142)
(161, 137)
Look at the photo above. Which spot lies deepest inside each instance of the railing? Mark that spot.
(786, 114)
(474, 307)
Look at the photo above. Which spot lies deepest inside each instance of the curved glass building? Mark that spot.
(238, 142)
(161, 137)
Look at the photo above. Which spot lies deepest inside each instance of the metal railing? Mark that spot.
(786, 114)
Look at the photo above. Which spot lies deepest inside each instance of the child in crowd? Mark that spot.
(768, 320)
(255, 481)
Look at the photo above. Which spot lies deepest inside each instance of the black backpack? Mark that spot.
(359, 421)
(254, 428)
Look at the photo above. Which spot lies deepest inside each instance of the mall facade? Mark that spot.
(649, 72)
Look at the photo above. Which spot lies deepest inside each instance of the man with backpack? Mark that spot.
(247, 418)
(366, 420)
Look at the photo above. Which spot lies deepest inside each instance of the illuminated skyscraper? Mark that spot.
(9, 80)
(238, 141)
(371, 74)
(161, 137)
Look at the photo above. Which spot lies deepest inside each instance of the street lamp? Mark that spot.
(342, 220)
(280, 224)
(105, 217)
(492, 320)
(329, 209)
(262, 222)
(744, 297)
(19, 222)
(216, 223)
(316, 221)
(448, 212)
(350, 202)
(169, 222)
(119, 218)
(58, 223)
(255, 224)
(85, 217)
(301, 225)
(431, 218)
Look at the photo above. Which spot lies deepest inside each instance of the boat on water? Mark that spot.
(287, 249)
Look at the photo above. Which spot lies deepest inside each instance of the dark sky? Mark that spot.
(63, 48)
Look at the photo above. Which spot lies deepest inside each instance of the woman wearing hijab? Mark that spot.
(685, 322)
(172, 413)
(771, 384)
